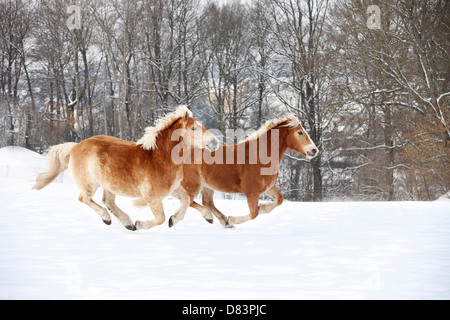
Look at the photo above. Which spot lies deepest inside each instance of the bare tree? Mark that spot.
(298, 27)
(261, 58)
(15, 27)
(229, 43)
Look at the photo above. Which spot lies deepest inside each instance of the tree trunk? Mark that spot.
(87, 85)
(316, 164)
(388, 142)
(77, 87)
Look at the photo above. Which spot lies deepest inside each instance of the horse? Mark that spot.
(142, 169)
(249, 172)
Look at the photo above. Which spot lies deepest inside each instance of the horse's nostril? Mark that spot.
(314, 151)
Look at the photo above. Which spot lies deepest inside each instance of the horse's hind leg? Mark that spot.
(187, 198)
(277, 200)
(158, 211)
(86, 197)
(206, 213)
(208, 202)
(109, 199)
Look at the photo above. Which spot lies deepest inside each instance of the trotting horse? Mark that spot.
(251, 176)
(140, 170)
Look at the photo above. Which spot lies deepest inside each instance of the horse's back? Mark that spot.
(105, 149)
(109, 141)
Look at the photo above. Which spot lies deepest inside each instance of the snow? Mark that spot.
(54, 247)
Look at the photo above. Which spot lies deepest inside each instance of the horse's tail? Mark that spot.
(58, 160)
(140, 203)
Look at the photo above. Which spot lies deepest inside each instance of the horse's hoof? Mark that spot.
(108, 222)
(210, 220)
(171, 222)
(228, 224)
(131, 227)
(137, 225)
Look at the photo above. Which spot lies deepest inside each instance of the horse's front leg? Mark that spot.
(252, 201)
(208, 202)
(156, 205)
(277, 200)
(185, 201)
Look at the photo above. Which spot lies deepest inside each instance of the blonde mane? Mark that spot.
(148, 141)
(290, 119)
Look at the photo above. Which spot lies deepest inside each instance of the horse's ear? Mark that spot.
(186, 116)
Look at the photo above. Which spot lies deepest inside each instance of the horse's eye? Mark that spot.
(194, 128)
(300, 133)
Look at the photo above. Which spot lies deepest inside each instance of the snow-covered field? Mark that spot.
(54, 247)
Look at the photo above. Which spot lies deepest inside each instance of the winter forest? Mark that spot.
(369, 80)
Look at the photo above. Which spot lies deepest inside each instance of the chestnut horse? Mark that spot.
(143, 169)
(251, 176)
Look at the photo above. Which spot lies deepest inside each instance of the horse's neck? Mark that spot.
(164, 146)
(280, 139)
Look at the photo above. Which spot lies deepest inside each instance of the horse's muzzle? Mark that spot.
(213, 145)
(312, 152)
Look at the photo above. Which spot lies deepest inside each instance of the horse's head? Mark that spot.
(197, 136)
(299, 141)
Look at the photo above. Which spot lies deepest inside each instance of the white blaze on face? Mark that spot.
(204, 139)
(312, 149)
